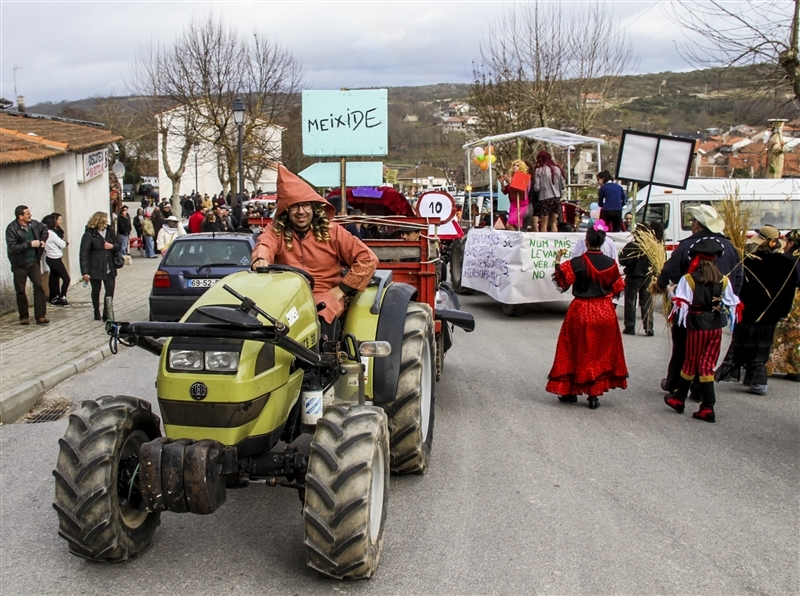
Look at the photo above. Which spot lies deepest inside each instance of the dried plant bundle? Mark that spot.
(649, 247)
(737, 217)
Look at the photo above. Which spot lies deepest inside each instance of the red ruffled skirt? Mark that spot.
(589, 356)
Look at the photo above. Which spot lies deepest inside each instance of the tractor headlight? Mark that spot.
(186, 359)
(227, 361)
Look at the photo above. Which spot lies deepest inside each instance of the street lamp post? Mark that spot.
(196, 185)
(238, 117)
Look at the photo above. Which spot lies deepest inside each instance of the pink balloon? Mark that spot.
(478, 151)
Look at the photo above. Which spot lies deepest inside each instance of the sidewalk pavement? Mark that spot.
(35, 358)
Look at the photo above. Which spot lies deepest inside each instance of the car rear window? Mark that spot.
(207, 252)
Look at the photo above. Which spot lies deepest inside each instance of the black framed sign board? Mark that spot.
(648, 158)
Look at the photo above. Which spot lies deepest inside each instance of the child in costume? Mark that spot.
(700, 301)
(589, 356)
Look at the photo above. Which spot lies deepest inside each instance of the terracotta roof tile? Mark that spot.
(77, 137)
(16, 147)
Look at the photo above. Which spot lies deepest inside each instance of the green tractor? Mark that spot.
(247, 371)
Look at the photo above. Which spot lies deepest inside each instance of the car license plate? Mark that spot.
(201, 283)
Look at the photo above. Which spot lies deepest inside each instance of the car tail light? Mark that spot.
(161, 280)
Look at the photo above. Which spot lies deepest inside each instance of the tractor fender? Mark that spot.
(391, 321)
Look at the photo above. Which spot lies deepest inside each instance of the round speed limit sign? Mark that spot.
(437, 203)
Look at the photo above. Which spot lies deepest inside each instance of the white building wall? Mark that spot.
(33, 184)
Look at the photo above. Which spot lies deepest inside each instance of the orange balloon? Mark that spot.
(485, 164)
(489, 150)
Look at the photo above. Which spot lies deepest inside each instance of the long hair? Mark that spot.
(320, 225)
(706, 273)
(545, 160)
(98, 219)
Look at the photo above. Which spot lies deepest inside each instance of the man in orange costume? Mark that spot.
(302, 235)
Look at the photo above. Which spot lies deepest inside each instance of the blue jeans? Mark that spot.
(148, 247)
(123, 243)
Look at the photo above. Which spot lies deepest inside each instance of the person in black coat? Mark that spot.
(98, 247)
(123, 229)
(637, 283)
(25, 242)
(767, 295)
(706, 223)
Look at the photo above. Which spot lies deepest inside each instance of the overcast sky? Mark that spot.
(72, 50)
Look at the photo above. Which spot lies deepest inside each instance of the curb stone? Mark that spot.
(16, 402)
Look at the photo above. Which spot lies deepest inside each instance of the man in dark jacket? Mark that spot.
(25, 239)
(637, 284)
(705, 223)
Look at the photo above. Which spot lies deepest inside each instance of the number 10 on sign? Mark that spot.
(437, 204)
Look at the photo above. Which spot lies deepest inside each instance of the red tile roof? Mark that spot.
(74, 137)
(16, 147)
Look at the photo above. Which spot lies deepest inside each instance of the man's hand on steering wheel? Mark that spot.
(259, 263)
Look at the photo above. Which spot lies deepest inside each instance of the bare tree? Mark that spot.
(176, 125)
(205, 70)
(759, 34)
(544, 65)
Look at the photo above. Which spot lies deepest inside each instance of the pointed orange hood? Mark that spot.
(293, 189)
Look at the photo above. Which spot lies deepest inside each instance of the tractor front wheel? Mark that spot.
(97, 490)
(347, 490)
(411, 414)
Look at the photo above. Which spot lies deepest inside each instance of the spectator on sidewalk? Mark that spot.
(54, 251)
(25, 241)
(171, 229)
(195, 221)
(137, 222)
(157, 218)
(98, 246)
(209, 223)
(148, 231)
(123, 230)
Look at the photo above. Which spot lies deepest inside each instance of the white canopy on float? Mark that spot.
(542, 134)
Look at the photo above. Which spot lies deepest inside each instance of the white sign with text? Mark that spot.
(94, 164)
(516, 267)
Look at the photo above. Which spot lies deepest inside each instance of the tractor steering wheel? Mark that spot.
(278, 267)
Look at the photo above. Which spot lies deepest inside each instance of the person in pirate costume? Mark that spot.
(699, 305)
(304, 235)
(705, 222)
(767, 294)
(589, 357)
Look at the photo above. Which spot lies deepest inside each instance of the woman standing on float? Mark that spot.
(589, 356)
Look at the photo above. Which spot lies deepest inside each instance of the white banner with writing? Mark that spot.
(515, 267)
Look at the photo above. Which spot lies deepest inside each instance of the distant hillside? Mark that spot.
(666, 102)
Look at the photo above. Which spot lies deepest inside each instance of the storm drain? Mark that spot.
(48, 415)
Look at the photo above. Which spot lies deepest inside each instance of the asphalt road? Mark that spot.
(524, 494)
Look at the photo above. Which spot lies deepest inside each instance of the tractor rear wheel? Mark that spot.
(97, 494)
(347, 491)
(411, 414)
(456, 267)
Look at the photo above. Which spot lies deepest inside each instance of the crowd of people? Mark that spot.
(708, 283)
(710, 287)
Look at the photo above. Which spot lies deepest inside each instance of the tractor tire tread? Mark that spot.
(86, 499)
(337, 503)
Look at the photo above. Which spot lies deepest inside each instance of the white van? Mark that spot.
(775, 202)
